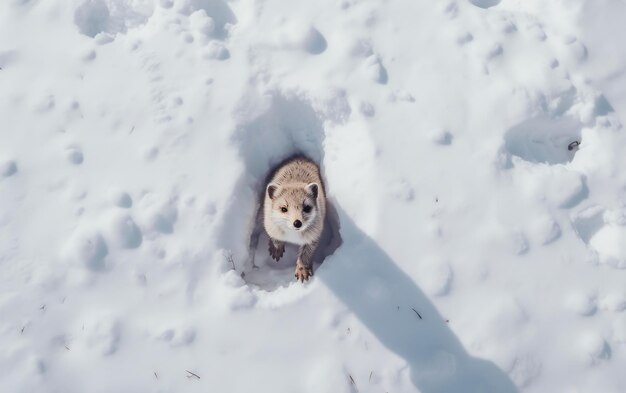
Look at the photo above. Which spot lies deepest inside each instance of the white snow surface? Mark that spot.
(476, 252)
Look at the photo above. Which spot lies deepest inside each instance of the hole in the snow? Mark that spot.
(545, 140)
(287, 125)
(603, 106)
(485, 3)
(268, 274)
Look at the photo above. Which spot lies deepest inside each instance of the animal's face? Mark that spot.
(293, 208)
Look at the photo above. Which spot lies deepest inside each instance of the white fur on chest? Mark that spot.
(292, 237)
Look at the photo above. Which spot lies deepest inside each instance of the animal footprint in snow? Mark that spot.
(440, 136)
(177, 337)
(101, 334)
(485, 3)
(581, 304)
(545, 230)
(367, 109)
(216, 51)
(537, 32)
(518, 243)
(493, 51)
(123, 231)
(120, 198)
(88, 248)
(312, 41)
(614, 302)
(451, 9)
(74, 155)
(464, 37)
(159, 216)
(88, 56)
(594, 348)
(8, 168)
(375, 70)
(574, 50)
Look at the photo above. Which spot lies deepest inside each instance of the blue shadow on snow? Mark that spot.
(437, 360)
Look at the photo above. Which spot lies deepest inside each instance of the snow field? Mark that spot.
(475, 252)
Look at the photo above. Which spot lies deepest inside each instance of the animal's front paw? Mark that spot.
(303, 273)
(276, 250)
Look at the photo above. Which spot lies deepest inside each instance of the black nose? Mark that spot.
(297, 223)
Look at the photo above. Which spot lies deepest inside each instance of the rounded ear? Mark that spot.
(312, 189)
(271, 190)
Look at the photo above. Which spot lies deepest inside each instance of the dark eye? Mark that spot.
(307, 209)
(283, 209)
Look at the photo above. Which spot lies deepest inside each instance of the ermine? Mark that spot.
(294, 208)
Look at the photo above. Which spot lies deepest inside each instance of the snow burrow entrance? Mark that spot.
(269, 275)
(287, 125)
(545, 140)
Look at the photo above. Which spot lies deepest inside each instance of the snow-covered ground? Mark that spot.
(476, 252)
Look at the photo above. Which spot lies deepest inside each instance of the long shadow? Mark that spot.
(388, 302)
(358, 272)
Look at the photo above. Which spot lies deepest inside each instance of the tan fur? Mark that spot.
(292, 186)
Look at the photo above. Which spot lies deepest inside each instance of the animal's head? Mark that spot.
(294, 208)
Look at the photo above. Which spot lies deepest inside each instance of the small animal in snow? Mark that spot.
(294, 209)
